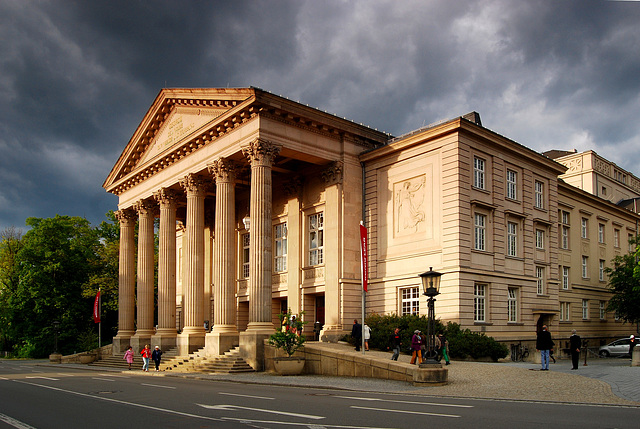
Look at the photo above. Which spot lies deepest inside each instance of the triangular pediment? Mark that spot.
(181, 123)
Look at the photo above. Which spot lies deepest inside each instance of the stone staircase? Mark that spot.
(229, 363)
(117, 362)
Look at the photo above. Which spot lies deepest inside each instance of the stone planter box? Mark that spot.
(87, 358)
(288, 365)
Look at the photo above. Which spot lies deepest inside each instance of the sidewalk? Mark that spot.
(604, 381)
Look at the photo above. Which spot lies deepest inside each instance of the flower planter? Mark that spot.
(288, 365)
(87, 358)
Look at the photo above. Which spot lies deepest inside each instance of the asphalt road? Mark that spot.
(42, 397)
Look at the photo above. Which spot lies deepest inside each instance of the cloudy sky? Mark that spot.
(76, 77)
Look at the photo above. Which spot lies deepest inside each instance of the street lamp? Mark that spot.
(431, 287)
(56, 327)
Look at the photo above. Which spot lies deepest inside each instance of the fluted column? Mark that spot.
(166, 332)
(126, 280)
(224, 276)
(193, 281)
(146, 213)
(260, 154)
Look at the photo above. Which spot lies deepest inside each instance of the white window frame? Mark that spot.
(245, 242)
(585, 267)
(602, 307)
(601, 270)
(540, 239)
(539, 194)
(616, 238)
(584, 228)
(600, 233)
(566, 217)
(565, 237)
(565, 278)
(512, 239)
(512, 305)
(316, 238)
(479, 302)
(409, 300)
(585, 309)
(565, 311)
(540, 280)
(280, 250)
(480, 232)
(512, 185)
(479, 171)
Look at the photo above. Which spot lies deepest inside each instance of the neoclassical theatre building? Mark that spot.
(259, 199)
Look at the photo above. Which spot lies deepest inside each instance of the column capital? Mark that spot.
(145, 207)
(194, 184)
(165, 196)
(126, 216)
(261, 152)
(333, 174)
(223, 170)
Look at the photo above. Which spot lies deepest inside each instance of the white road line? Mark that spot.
(244, 396)
(284, 413)
(407, 402)
(60, 374)
(2, 378)
(101, 379)
(15, 423)
(44, 378)
(308, 425)
(157, 385)
(406, 412)
(111, 375)
(116, 401)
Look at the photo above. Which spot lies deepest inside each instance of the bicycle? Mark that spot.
(519, 352)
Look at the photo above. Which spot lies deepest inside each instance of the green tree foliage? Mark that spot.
(10, 244)
(624, 283)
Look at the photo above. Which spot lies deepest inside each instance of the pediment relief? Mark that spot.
(181, 123)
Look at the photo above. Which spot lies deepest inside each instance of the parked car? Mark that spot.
(615, 348)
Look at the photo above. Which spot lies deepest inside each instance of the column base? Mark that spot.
(165, 340)
(140, 339)
(121, 343)
(252, 346)
(331, 333)
(218, 343)
(430, 375)
(189, 342)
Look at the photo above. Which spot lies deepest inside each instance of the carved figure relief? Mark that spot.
(409, 197)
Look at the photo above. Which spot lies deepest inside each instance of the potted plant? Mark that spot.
(288, 338)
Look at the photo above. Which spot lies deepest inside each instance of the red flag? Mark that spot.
(96, 308)
(364, 257)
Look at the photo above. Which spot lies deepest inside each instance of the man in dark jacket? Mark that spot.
(157, 356)
(574, 348)
(544, 343)
(395, 342)
(356, 333)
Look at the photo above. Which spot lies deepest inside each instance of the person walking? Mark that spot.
(395, 342)
(544, 343)
(156, 356)
(632, 344)
(146, 354)
(356, 333)
(416, 342)
(367, 336)
(443, 347)
(574, 347)
(128, 356)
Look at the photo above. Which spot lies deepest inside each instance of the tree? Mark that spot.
(10, 244)
(624, 282)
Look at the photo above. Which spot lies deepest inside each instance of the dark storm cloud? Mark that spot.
(77, 77)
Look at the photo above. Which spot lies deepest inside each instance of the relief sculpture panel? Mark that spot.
(409, 210)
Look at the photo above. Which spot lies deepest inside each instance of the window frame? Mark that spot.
(280, 247)
(538, 194)
(480, 232)
(585, 309)
(540, 233)
(512, 185)
(512, 239)
(479, 173)
(480, 302)
(245, 242)
(409, 295)
(512, 305)
(584, 228)
(601, 233)
(316, 253)
(540, 280)
(565, 277)
(585, 267)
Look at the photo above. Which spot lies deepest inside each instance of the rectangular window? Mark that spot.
(480, 232)
(585, 309)
(280, 248)
(512, 185)
(512, 239)
(410, 298)
(584, 226)
(539, 239)
(245, 255)
(316, 239)
(478, 173)
(479, 304)
(585, 264)
(564, 311)
(512, 304)
(600, 233)
(565, 217)
(616, 238)
(601, 270)
(539, 194)
(565, 237)
(602, 307)
(540, 277)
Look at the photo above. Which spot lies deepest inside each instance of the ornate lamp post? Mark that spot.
(431, 287)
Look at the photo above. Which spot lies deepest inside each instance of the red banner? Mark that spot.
(364, 257)
(96, 308)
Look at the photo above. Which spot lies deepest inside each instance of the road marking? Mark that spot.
(2, 378)
(406, 412)
(157, 385)
(15, 423)
(44, 378)
(111, 375)
(60, 374)
(101, 379)
(307, 425)
(244, 396)
(407, 402)
(117, 401)
(284, 413)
